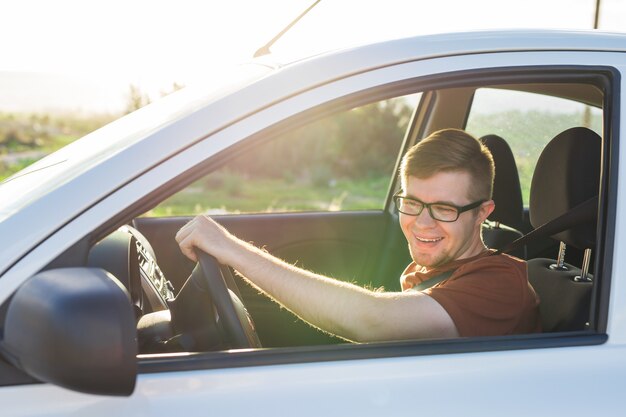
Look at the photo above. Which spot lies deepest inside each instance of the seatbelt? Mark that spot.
(585, 211)
(432, 281)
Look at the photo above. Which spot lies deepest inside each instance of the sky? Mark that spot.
(83, 55)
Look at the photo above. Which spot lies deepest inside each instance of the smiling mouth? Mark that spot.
(426, 240)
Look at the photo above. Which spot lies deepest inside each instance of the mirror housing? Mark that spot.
(74, 327)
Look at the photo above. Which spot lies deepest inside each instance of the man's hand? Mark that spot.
(203, 233)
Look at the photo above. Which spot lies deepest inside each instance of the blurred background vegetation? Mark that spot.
(341, 162)
(25, 138)
(527, 132)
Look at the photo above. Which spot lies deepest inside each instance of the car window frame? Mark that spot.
(188, 361)
(605, 77)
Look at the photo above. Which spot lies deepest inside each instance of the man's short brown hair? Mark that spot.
(451, 150)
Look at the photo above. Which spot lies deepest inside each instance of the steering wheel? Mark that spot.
(235, 319)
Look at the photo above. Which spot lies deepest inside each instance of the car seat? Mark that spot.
(567, 174)
(504, 223)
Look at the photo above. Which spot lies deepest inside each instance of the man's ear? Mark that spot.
(485, 209)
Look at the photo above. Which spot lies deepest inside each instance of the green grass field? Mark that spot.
(237, 194)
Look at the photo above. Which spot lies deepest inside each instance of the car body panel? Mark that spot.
(495, 383)
(520, 380)
(617, 304)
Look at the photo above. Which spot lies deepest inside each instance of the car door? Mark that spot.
(515, 375)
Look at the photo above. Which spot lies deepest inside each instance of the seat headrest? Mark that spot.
(507, 192)
(567, 174)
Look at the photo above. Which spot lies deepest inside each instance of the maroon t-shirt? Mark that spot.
(486, 295)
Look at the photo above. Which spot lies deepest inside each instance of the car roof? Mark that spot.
(461, 43)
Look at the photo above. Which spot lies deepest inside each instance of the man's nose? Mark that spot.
(424, 219)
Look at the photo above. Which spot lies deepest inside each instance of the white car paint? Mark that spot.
(558, 381)
(563, 381)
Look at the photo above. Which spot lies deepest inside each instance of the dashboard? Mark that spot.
(160, 290)
(128, 255)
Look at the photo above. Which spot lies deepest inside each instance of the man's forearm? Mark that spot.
(338, 307)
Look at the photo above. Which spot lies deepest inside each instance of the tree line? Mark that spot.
(362, 142)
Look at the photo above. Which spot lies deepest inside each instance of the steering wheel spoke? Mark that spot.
(235, 320)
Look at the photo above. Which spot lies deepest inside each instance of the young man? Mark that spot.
(447, 181)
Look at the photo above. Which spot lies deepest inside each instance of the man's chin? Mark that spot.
(429, 260)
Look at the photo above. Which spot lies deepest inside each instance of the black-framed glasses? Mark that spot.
(442, 212)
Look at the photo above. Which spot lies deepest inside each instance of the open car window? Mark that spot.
(340, 162)
(328, 244)
(337, 156)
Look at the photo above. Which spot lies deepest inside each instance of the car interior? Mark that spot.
(348, 245)
(184, 307)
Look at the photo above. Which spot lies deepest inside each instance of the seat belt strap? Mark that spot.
(431, 282)
(585, 211)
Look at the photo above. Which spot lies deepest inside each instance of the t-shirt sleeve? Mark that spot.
(483, 298)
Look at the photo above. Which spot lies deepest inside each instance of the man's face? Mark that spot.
(433, 243)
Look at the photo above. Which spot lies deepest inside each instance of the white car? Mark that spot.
(102, 315)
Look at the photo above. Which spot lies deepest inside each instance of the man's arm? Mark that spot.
(343, 309)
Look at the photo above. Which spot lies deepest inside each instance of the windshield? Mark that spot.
(69, 162)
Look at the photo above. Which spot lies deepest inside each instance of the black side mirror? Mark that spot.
(73, 327)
